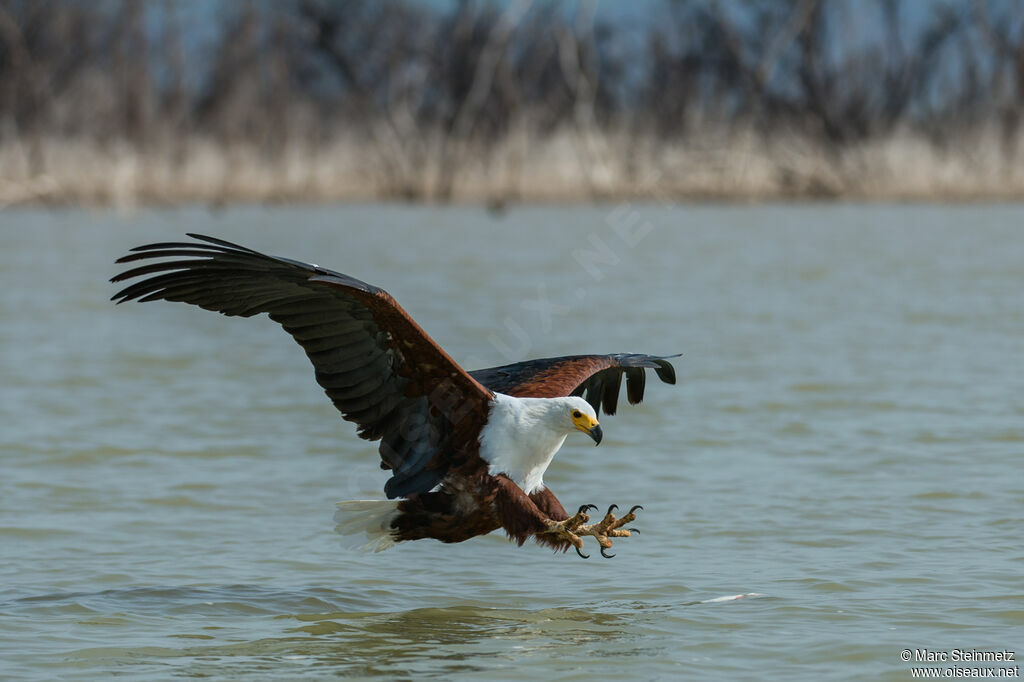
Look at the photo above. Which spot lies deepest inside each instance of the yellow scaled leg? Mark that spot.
(567, 530)
(608, 527)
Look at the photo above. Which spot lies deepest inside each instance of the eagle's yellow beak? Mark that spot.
(588, 425)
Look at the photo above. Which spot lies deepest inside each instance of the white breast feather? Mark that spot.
(520, 439)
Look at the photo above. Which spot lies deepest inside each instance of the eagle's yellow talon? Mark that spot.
(608, 527)
(576, 521)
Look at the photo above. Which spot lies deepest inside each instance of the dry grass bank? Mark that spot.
(566, 167)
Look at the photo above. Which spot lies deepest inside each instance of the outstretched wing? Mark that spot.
(375, 363)
(600, 376)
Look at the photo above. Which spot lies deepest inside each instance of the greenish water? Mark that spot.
(845, 445)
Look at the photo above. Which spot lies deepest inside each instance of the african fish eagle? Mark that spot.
(467, 451)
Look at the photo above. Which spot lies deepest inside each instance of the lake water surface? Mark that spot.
(844, 446)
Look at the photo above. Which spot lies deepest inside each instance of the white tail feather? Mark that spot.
(370, 517)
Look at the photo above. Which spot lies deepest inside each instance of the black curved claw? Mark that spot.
(611, 509)
(633, 530)
(635, 507)
(606, 556)
(584, 507)
(585, 556)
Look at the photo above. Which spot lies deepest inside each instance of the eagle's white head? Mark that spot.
(523, 434)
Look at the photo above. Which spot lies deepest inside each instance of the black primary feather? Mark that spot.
(347, 329)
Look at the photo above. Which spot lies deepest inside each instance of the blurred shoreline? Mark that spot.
(147, 103)
(567, 166)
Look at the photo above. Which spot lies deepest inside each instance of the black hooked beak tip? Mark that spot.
(596, 434)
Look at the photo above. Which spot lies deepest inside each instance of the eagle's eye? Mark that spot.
(576, 414)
